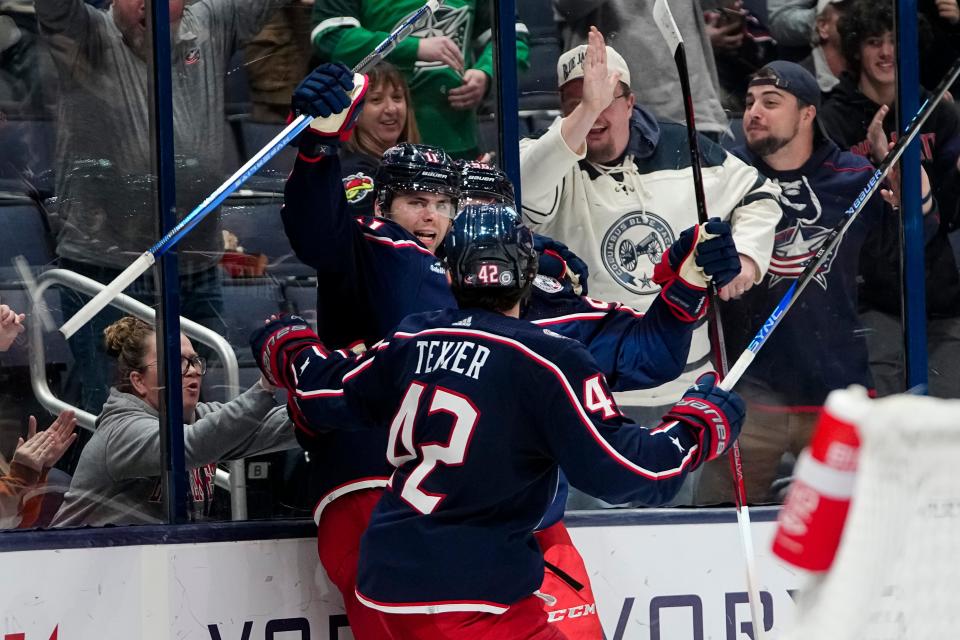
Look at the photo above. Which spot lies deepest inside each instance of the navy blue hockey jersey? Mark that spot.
(480, 410)
(372, 273)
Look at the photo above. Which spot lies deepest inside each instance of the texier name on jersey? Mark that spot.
(451, 356)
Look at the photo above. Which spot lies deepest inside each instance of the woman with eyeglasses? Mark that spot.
(117, 480)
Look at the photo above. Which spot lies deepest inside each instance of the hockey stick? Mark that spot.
(668, 29)
(254, 164)
(836, 234)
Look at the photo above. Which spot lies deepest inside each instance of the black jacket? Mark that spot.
(845, 117)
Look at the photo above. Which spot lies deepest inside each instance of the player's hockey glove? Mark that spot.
(333, 95)
(559, 262)
(700, 254)
(277, 343)
(713, 416)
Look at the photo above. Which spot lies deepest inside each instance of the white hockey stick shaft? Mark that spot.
(221, 193)
(671, 34)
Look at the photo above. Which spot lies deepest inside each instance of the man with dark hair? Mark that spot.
(483, 409)
(866, 92)
(819, 346)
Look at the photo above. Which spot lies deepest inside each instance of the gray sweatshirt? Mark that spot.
(628, 27)
(791, 21)
(117, 480)
(105, 182)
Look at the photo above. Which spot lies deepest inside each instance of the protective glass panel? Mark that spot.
(77, 203)
(845, 327)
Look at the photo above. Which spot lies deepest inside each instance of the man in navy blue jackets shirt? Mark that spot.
(819, 345)
(482, 409)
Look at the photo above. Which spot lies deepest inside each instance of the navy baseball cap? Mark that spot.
(790, 77)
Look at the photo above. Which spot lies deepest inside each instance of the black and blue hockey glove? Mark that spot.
(333, 95)
(717, 254)
(701, 253)
(713, 416)
(277, 343)
(559, 262)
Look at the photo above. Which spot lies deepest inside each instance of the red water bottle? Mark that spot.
(811, 522)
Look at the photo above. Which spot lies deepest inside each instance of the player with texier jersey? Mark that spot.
(372, 272)
(482, 409)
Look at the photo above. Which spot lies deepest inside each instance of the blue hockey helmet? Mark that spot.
(490, 248)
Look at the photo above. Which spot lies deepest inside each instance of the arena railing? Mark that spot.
(233, 481)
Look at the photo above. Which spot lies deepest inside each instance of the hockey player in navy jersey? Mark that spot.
(372, 272)
(482, 410)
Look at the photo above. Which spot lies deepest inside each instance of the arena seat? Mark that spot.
(23, 231)
(301, 296)
(247, 303)
(254, 136)
(27, 162)
(538, 84)
(255, 221)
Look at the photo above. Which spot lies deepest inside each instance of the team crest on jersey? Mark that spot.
(793, 249)
(631, 248)
(193, 56)
(797, 244)
(357, 187)
(548, 284)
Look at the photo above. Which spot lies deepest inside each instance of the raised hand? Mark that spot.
(880, 146)
(42, 450)
(599, 86)
(948, 10)
(11, 326)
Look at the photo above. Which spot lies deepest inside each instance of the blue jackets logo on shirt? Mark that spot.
(793, 249)
(795, 245)
(633, 246)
